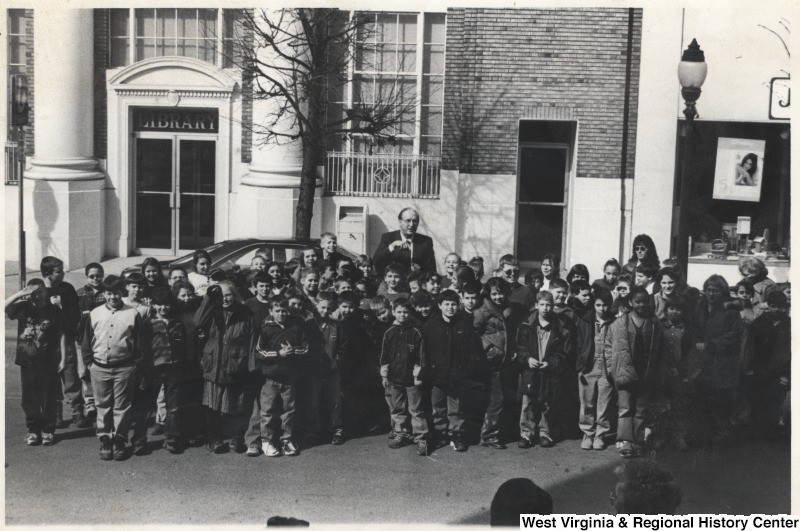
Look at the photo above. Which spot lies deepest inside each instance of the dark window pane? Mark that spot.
(153, 221)
(119, 52)
(16, 21)
(153, 165)
(434, 28)
(542, 174)
(539, 231)
(197, 166)
(197, 221)
(119, 22)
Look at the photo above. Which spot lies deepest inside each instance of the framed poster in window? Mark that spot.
(738, 173)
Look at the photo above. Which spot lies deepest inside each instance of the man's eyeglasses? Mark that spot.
(509, 272)
(410, 221)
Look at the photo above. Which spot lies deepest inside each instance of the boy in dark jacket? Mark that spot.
(168, 343)
(679, 340)
(451, 348)
(401, 363)
(377, 320)
(542, 346)
(40, 355)
(281, 351)
(770, 352)
(326, 384)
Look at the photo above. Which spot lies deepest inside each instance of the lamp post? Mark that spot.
(692, 72)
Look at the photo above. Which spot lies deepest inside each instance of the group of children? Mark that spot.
(325, 349)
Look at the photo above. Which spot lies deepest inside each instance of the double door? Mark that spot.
(175, 180)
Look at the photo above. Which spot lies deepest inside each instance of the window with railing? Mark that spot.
(399, 58)
(205, 34)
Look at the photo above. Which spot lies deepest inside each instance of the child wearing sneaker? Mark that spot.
(280, 353)
(401, 363)
(634, 345)
(542, 344)
(595, 385)
(41, 355)
(112, 351)
(452, 348)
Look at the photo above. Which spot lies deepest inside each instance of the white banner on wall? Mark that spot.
(739, 169)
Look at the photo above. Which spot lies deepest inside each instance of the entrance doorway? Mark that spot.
(174, 183)
(542, 201)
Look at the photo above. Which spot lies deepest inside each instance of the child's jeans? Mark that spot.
(632, 410)
(447, 412)
(113, 393)
(277, 398)
(77, 381)
(490, 431)
(326, 394)
(406, 407)
(534, 415)
(597, 402)
(41, 387)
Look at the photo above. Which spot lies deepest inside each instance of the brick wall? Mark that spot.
(501, 63)
(101, 40)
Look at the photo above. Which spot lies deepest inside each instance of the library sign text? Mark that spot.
(175, 120)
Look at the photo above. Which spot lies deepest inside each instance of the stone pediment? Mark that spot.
(172, 74)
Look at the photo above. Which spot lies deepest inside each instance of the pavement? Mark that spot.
(361, 482)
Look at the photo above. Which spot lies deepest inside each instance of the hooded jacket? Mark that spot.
(720, 329)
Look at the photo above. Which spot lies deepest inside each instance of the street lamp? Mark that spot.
(692, 72)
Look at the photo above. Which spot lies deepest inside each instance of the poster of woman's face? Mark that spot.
(739, 169)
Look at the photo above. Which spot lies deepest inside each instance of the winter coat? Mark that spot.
(721, 331)
(760, 289)
(619, 347)
(496, 332)
(538, 383)
(450, 350)
(229, 340)
(271, 339)
(401, 351)
(169, 344)
(769, 346)
(327, 343)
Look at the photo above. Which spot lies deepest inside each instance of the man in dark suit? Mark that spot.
(413, 251)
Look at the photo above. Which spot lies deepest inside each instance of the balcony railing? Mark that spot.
(382, 175)
(14, 162)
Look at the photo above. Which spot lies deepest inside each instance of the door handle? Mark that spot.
(177, 200)
(172, 199)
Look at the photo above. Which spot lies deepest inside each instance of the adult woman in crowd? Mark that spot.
(754, 271)
(229, 329)
(644, 252)
(719, 333)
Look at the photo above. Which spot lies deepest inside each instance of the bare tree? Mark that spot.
(300, 62)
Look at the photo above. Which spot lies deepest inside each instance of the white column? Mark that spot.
(270, 188)
(64, 207)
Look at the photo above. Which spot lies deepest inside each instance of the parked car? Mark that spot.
(233, 256)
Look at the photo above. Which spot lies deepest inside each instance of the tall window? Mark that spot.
(17, 41)
(400, 57)
(203, 34)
